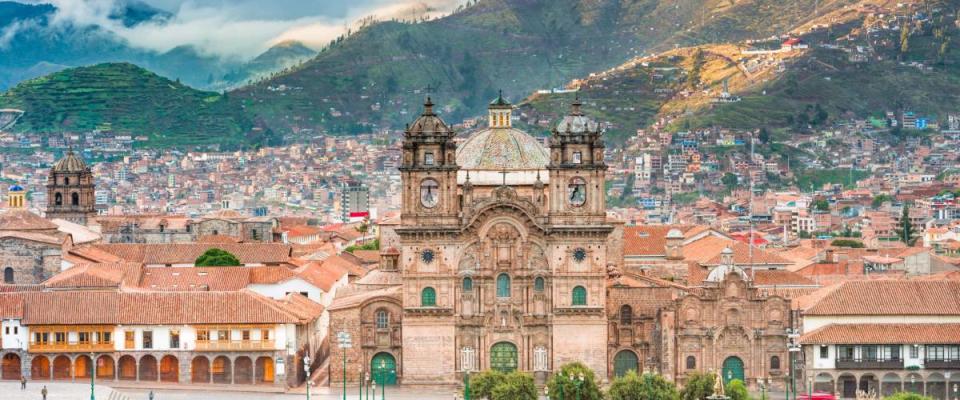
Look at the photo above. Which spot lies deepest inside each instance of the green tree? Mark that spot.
(736, 390)
(764, 135)
(647, 387)
(515, 386)
(905, 230)
(729, 180)
(907, 396)
(879, 199)
(904, 41)
(854, 244)
(217, 258)
(698, 387)
(589, 390)
(482, 384)
(820, 205)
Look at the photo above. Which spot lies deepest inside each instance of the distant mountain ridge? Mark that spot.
(30, 47)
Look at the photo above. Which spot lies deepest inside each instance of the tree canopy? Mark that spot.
(699, 386)
(217, 258)
(736, 390)
(647, 387)
(589, 390)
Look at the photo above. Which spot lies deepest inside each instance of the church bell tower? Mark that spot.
(70, 190)
(577, 171)
(429, 172)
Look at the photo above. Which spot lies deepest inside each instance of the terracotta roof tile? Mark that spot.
(96, 275)
(23, 220)
(890, 297)
(917, 333)
(187, 253)
(650, 240)
(214, 279)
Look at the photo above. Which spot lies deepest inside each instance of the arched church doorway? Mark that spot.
(503, 357)
(384, 368)
(625, 361)
(732, 369)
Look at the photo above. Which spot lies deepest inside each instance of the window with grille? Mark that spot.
(467, 284)
(383, 319)
(428, 298)
(579, 296)
(824, 352)
(691, 362)
(147, 339)
(774, 362)
(503, 285)
(626, 315)
(539, 284)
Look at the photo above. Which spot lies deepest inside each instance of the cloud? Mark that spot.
(10, 31)
(239, 29)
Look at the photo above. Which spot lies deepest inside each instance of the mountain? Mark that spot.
(841, 75)
(31, 47)
(376, 77)
(128, 99)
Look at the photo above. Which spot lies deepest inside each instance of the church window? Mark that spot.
(428, 158)
(467, 284)
(427, 256)
(540, 362)
(58, 199)
(467, 358)
(577, 157)
(626, 315)
(579, 254)
(691, 362)
(539, 284)
(428, 298)
(74, 199)
(579, 296)
(383, 319)
(503, 285)
(66, 181)
(8, 275)
(774, 362)
(824, 352)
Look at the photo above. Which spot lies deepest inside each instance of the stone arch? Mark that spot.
(11, 366)
(62, 367)
(847, 386)
(81, 367)
(148, 368)
(169, 369)
(625, 361)
(869, 384)
(221, 370)
(127, 368)
(913, 383)
(74, 199)
(890, 383)
(488, 217)
(40, 368)
(200, 370)
(105, 367)
(823, 382)
(58, 199)
(936, 386)
(243, 370)
(264, 370)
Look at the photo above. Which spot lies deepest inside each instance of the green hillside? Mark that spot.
(375, 78)
(131, 100)
(797, 90)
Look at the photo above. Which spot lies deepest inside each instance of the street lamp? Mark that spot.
(763, 388)
(793, 347)
(577, 382)
(360, 389)
(306, 368)
(93, 372)
(383, 383)
(367, 395)
(466, 382)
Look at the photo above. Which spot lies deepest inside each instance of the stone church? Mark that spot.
(70, 190)
(504, 259)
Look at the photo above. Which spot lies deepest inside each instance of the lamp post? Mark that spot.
(306, 368)
(577, 382)
(560, 385)
(367, 391)
(383, 378)
(360, 389)
(93, 373)
(546, 392)
(466, 383)
(344, 342)
(793, 347)
(763, 389)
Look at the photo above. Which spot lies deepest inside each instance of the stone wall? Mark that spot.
(580, 339)
(429, 352)
(32, 262)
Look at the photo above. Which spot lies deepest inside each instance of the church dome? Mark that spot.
(502, 149)
(720, 272)
(70, 163)
(576, 123)
(15, 188)
(428, 123)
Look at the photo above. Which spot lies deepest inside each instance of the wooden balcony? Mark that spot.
(235, 345)
(850, 363)
(70, 347)
(941, 364)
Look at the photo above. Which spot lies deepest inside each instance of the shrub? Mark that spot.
(736, 390)
(515, 386)
(647, 387)
(217, 258)
(856, 244)
(482, 384)
(698, 387)
(589, 390)
(907, 396)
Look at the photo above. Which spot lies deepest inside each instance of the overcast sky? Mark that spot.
(240, 28)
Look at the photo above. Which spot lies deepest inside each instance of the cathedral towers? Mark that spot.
(429, 171)
(70, 190)
(577, 170)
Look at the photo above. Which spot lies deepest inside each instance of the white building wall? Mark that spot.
(14, 335)
(296, 285)
(814, 322)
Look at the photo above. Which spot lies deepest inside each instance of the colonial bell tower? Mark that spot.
(429, 172)
(577, 171)
(70, 190)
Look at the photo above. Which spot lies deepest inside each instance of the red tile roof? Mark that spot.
(23, 220)
(917, 333)
(650, 240)
(214, 279)
(96, 275)
(187, 253)
(890, 297)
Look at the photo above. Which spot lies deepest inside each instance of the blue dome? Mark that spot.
(15, 188)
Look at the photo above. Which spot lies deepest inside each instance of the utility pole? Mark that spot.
(93, 373)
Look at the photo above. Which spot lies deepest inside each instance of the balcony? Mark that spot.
(941, 364)
(858, 363)
(235, 345)
(65, 347)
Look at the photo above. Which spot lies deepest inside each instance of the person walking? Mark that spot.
(23, 382)
(150, 396)
(43, 392)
